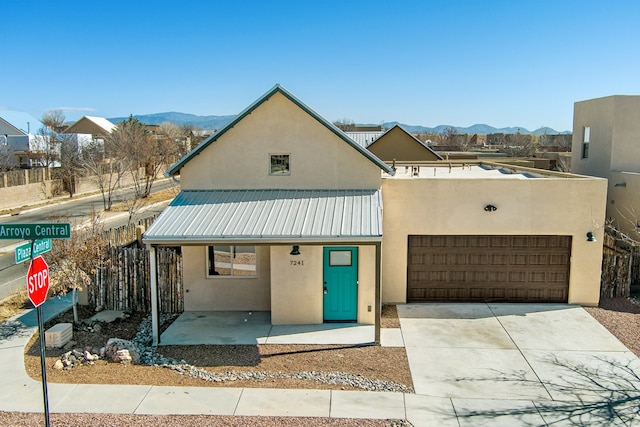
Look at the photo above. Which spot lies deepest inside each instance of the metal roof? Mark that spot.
(269, 216)
(24, 123)
(102, 122)
(277, 88)
(364, 139)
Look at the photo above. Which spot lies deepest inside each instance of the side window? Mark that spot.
(231, 261)
(279, 164)
(586, 137)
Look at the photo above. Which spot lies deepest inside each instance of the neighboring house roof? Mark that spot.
(199, 216)
(18, 123)
(396, 128)
(364, 139)
(277, 88)
(91, 125)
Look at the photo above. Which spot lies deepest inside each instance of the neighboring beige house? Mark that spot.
(606, 143)
(90, 125)
(281, 211)
(396, 144)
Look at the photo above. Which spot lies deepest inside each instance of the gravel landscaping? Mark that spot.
(338, 367)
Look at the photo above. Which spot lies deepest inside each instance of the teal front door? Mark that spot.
(340, 284)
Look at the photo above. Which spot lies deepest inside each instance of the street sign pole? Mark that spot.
(43, 361)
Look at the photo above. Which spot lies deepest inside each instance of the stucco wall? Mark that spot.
(615, 130)
(399, 146)
(598, 115)
(204, 293)
(21, 195)
(240, 158)
(625, 154)
(543, 206)
(624, 201)
(296, 290)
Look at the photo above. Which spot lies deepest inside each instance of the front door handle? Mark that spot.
(324, 289)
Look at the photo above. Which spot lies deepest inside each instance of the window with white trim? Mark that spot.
(231, 261)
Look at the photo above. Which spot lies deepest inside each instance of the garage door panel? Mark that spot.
(488, 268)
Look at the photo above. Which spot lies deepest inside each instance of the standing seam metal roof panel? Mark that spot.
(197, 215)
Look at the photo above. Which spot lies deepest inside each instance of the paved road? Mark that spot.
(75, 211)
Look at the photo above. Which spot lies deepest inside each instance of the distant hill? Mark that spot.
(217, 122)
(204, 122)
(481, 129)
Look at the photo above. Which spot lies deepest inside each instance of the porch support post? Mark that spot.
(155, 330)
(378, 302)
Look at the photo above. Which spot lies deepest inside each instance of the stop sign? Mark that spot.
(38, 281)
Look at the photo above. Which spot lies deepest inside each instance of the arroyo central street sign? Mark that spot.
(23, 252)
(52, 230)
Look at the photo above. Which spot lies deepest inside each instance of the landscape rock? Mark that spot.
(58, 365)
(123, 356)
(114, 345)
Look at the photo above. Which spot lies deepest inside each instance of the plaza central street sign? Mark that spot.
(23, 252)
(38, 281)
(52, 230)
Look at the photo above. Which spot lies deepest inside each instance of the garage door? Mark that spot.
(488, 268)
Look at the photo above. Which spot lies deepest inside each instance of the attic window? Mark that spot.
(279, 165)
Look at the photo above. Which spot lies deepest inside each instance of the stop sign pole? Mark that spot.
(37, 288)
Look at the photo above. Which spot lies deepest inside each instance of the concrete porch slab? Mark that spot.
(218, 328)
(252, 328)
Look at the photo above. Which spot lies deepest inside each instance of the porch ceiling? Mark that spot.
(269, 216)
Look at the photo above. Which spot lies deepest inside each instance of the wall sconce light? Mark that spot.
(490, 208)
(591, 237)
(295, 250)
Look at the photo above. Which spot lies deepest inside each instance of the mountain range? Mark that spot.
(217, 122)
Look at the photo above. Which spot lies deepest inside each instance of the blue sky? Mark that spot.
(503, 63)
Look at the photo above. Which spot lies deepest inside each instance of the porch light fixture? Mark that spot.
(295, 250)
(490, 208)
(591, 237)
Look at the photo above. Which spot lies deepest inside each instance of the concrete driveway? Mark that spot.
(537, 361)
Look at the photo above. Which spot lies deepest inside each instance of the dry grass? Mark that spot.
(151, 199)
(14, 305)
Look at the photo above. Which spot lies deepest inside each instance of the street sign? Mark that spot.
(51, 230)
(38, 281)
(23, 252)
